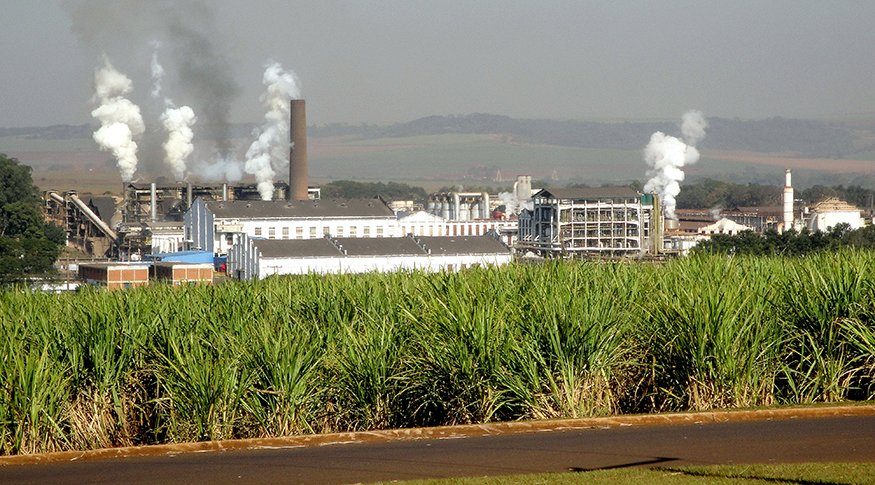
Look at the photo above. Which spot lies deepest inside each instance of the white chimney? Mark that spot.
(788, 203)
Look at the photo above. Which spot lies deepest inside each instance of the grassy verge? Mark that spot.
(804, 473)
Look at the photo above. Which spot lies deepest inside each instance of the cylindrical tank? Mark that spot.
(464, 213)
(485, 209)
(445, 209)
(475, 210)
(455, 209)
(431, 205)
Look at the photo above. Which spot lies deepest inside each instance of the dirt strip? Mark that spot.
(441, 432)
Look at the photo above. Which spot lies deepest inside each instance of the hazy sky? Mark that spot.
(387, 61)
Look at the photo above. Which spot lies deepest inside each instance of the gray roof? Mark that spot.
(379, 246)
(320, 209)
(463, 244)
(280, 248)
(589, 193)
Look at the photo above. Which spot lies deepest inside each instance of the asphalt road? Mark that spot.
(822, 439)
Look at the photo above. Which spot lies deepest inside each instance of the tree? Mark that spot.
(28, 245)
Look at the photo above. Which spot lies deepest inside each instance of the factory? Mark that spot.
(296, 232)
(587, 222)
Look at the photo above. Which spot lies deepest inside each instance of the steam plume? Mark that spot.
(157, 72)
(120, 119)
(667, 155)
(177, 122)
(270, 151)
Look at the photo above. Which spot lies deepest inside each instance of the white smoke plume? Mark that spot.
(177, 122)
(120, 119)
(222, 169)
(157, 72)
(270, 150)
(667, 155)
(513, 205)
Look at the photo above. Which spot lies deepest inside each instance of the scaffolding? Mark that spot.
(586, 223)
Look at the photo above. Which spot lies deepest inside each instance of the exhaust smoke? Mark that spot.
(177, 122)
(667, 155)
(270, 150)
(120, 119)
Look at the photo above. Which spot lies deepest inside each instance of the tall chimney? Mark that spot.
(788, 203)
(154, 196)
(298, 155)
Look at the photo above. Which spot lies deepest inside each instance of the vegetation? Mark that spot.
(28, 245)
(796, 473)
(346, 189)
(329, 353)
(789, 243)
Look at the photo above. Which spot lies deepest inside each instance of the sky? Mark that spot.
(388, 61)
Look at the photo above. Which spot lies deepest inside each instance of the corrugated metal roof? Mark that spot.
(379, 246)
(463, 245)
(589, 193)
(303, 248)
(322, 209)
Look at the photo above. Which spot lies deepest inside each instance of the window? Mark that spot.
(257, 232)
(352, 231)
(271, 233)
(379, 232)
(339, 231)
(285, 233)
(312, 233)
(326, 231)
(367, 231)
(299, 233)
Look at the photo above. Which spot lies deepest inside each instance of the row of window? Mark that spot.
(271, 232)
(452, 230)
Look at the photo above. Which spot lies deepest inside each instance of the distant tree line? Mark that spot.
(347, 189)
(788, 243)
(809, 138)
(710, 193)
(29, 246)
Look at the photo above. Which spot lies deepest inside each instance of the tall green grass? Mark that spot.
(310, 354)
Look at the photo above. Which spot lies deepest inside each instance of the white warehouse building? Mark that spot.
(252, 258)
(216, 225)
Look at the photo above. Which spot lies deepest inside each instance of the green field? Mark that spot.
(316, 354)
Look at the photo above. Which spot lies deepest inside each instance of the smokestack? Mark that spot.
(225, 191)
(188, 195)
(298, 155)
(788, 202)
(154, 195)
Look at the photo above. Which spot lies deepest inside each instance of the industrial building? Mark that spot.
(831, 212)
(251, 258)
(114, 276)
(176, 273)
(216, 225)
(586, 222)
